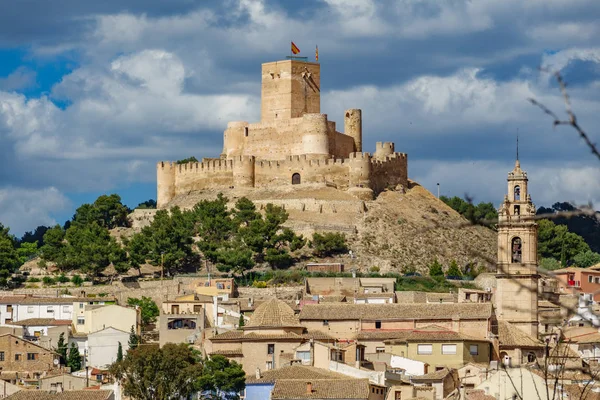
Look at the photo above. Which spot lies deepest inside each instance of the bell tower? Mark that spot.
(517, 277)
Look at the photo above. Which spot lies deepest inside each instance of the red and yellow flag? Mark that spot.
(317, 54)
(295, 48)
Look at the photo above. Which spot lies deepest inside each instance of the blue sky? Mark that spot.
(93, 94)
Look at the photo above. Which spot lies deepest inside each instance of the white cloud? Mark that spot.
(23, 209)
(559, 60)
(21, 78)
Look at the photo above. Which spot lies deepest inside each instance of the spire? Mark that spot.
(517, 144)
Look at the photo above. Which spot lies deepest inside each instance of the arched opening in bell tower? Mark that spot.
(516, 250)
(296, 179)
(517, 193)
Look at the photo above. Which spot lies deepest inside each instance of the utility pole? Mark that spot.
(438, 187)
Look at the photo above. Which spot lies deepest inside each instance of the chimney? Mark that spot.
(258, 373)
(309, 388)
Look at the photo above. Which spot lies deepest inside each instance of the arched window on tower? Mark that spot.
(516, 250)
(517, 193)
(296, 179)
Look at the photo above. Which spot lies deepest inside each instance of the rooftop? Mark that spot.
(346, 389)
(51, 300)
(294, 372)
(273, 313)
(511, 336)
(432, 333)
(414, 311)
(432, 376)
(42, 322)
(68, 395)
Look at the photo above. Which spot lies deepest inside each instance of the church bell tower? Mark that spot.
(517, 277)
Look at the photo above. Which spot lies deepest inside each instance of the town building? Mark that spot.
(103, 346)
(68, 395)
(182, 321)
(579, 281)
(89, 318)
(18, 355)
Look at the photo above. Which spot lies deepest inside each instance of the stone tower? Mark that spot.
(517, 277)
(290, 89)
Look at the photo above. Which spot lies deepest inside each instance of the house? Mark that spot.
(89, 318)
(46, 330)
(579, 281)
(266, 342)
(20, 355)
(345, 321)
(70, 395)
(103, 346)
(16, 308)
(6, 389)
(514, 383)
(398, 364)
(375, 298)
(443, 382)
(223, 287)
(347, 286)
(181, 321)
(516, 347)
(474, 296)
(585, 340)
(63, 382)
(472, 374)
(303, 382)
(440, 347)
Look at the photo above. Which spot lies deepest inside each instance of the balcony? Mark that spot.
(573, 284)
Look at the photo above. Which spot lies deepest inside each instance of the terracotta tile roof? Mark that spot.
(230, 353)
(42, 322)
(317, 335)
(51, 300)
(511, 336)
(374, 295)
(432, 333)
(432, 376)
(412, 311)
(346, 389)
(294, 372)
(382, 335)
(252, 336)
(446, 297)
(68, 395)
(332, 299)
(478, 394)
(273, 313)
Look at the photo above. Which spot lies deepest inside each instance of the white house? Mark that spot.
(103, 346)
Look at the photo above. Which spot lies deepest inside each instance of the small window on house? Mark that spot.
(1, 356)
(425, 349)
(271, 349)
(325, 322)
(598, 280)
(81, 305)
(18, 357)
(32, 356)
(380, 350)
(80, 321)
(448, 349)
(377, 324)
(30, 309)
(269, 365)
(50, 309)
(530, 357)
(590, 279)
(474, 349)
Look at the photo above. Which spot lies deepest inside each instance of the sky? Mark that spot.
(94, 93)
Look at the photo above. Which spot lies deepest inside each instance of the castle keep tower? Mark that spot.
(517, 277)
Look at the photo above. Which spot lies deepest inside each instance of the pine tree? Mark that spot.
(120, 353)
(453, 270)
(74, 358)
(62, 349)
(241, 323)
(134, 339)
(435, 269)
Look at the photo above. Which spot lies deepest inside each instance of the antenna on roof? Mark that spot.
(517, 144)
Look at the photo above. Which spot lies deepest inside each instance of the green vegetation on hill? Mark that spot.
(586, 226)
(187, 160)
(482, 213)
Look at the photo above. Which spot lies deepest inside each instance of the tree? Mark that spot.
(119, 353)
(107, 211)
(148, 308)
(147, 205)
(54, 248)
(453, 270)
(187, 160)
(241, 322)
(9, 257)
(168, 373)
(481, 213)
(586, 259)
(435, 269)
(62, 348)
(74, 358)
(328, 244)
(26, 251)
(555, 241)
(222, 377)
(37, 236)
(134, 339)
(214, 225)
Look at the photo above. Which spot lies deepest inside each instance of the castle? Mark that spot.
(293, 144)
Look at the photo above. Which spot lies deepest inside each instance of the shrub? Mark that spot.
(48, 281)
(77, 280)
(374, 268)
(259, 284)
(33, 279)
(62, 279)
(329, 243)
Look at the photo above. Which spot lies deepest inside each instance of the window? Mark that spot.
(424, 349)
(303, 356)
(269, 365)
(197, 309)
(1, 356)
(246, 131)
(517, 210)
(271, 349)
(517, 193)
(590, 279)
(377, 324)
(296, 179)
(17, 357)
(32, 356)
(30, 310)
(530, 357)
(516, 250)
(80, 321)
(99, 378)
(66, 309)
(50, 309)
(474, 349)
(81, 305)
(380, 350)
(448, 349)
(597, 280)
(325, 322)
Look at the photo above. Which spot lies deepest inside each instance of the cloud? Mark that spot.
(21, 78)
(24, 209)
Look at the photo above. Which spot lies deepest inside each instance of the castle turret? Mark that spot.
(353, 127)
(243, 171)
(165, 179)
(383, 149)
(315, 140)
(234, 138)
(360, 176)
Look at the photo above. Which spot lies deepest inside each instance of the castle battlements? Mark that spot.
(293, 144)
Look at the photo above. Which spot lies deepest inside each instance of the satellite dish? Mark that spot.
(56, 361)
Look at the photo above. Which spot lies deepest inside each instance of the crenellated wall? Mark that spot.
(360, 170)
